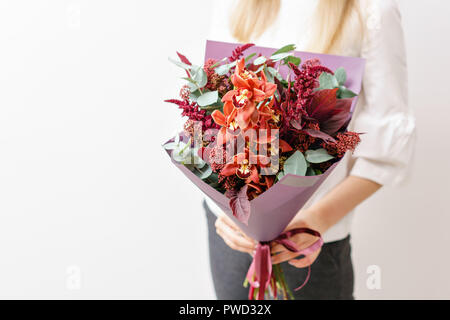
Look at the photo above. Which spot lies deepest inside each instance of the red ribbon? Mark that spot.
(260, 275)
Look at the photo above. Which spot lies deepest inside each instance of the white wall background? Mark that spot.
(90, 206)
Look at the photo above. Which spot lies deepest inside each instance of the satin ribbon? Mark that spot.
(259, 274)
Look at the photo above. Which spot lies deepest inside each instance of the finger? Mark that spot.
(284, 256)
(301, 240)
(278, 248)
(225, 219)
(306, 261)
(232, 239)
(235, 246)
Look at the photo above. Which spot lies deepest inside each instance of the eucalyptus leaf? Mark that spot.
(203, 174)
(188, 79)
(208, 98)
(214, 177)
(259, 69)
(259, 60)
(181, 153)
(194, 95)
(310, 172)
(286, 48)
(269, 76)
(192, 86)
(180, 64)
(170, 146)
(200, 78)
(225, 68)
(341, 76)
(327, 81)
(279, 56)
(296, 164)
(318, 156)
(274, 72)
(344, 93)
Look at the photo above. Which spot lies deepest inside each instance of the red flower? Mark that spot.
(249, 90)
(245, 166)
(226, 120)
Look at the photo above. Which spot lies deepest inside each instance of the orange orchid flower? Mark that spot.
(248, 91)
(226, 120)
(245, 166)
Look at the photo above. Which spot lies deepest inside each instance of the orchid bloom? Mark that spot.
(245, 166)
(226, 120)
(248, 91)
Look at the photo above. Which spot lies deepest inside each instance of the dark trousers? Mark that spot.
(331, 273)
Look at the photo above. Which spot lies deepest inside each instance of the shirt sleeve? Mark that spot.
(383, 114)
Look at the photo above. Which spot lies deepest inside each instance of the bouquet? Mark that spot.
(264, 129)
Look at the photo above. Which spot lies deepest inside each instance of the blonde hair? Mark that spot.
(250, 18)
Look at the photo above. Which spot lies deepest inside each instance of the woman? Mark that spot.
(369, 29)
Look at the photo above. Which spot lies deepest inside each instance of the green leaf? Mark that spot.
(181, 152)
(208, 98)
(318, 156)
(344, 93)
(296, 164)
(188, 79)
(170, 146)
(274, 72)
(247, 58)
(180, 64)
(217, 63)
(203, 174)
(327, 81)
(310, 172)
(269, 76)
(341, 76)
(194, 95)
(214, 177)
(280, 175)
(224, 69)
(200, 77)
(259, 60)
(293, 59)
(287, 48)
(259, 69)
(279, 56)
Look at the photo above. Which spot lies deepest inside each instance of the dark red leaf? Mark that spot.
(184, 59)
(323, 104)
(340, 117)
(319, 134)
(344, 104)
(335, 123)
(239, 204)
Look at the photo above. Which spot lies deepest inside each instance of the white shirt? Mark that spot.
(382, 112)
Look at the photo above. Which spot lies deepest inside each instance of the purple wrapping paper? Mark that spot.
(272, 211)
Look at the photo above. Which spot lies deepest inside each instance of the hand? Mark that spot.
(233, 236)
(302, 240)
